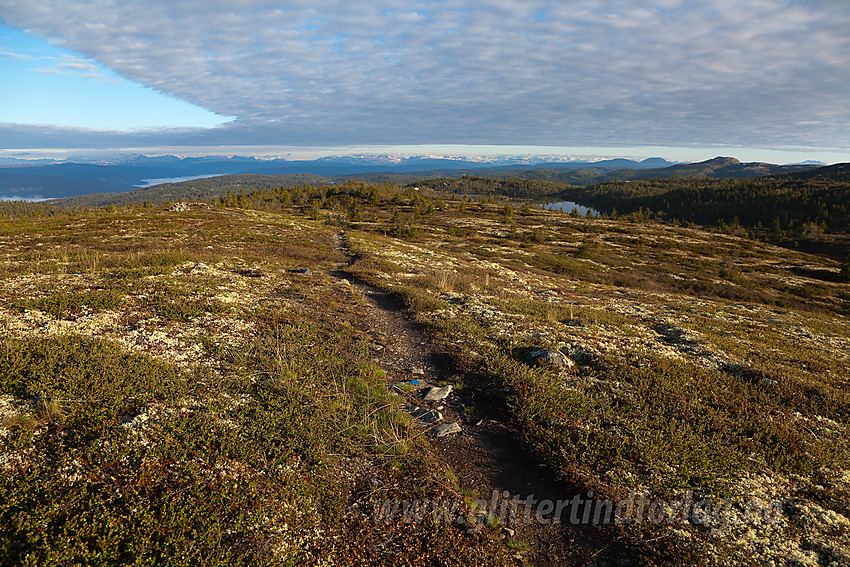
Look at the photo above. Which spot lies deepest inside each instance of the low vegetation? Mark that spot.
(199, 386)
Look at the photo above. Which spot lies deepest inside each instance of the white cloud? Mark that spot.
(750, 72)
(15, 55)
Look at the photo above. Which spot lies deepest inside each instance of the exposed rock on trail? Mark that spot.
(446, 429)
(436, 394)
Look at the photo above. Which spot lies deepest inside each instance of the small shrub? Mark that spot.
(182, 310)
(69, 305)
(586, 250)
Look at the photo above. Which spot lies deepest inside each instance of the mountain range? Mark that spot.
(40, 181)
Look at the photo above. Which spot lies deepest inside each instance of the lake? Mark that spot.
(569, 206)
(161, 180)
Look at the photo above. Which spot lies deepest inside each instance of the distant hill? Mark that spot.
(838, 172)
(719, 167)
(725, 167)
(196, 190)
(812, 199)
(39, 180)
(689, 192)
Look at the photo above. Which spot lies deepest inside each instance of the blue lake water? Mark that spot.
(569, 206)
(161, 180)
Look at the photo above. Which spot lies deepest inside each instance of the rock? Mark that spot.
(426, 415)
(305, 271)
(177, 207)
(344, 282)
(201, 267)
(508, 532)
(542, 356)
(446, 429)
(417, 371)
(589, 359)
(436, 394)
(249, 272)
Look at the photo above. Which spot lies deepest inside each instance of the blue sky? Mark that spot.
(51, 85)
(686, 80)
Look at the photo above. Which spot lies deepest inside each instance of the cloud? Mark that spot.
(14, 55)
(77, 66)
(664, 72)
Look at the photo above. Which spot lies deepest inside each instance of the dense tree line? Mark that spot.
(514, 187)
(11, 210)
(343, 196)
(787, 202)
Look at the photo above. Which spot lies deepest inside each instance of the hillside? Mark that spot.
(196, 190)
(372, 375)
(819, 197)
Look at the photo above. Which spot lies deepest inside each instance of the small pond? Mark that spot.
(569, 206)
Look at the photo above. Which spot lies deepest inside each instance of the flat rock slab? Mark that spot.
(426, 415)
(446, 429)
(436, 394)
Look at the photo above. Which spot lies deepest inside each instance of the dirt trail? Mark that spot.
(489, 454)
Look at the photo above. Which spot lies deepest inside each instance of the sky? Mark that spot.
(761, 80)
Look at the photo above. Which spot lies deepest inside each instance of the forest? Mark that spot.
(792, 202)
(808, 201)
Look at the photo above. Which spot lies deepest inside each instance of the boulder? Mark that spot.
(542, 356)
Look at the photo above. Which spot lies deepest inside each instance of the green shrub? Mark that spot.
(69, 305)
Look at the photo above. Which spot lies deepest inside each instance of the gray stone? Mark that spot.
(417, 371)
(305, 271)
(446, 429)
(426, 415)
(436, 394)
(542, 356)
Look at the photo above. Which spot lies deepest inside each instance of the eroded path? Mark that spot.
(488, 456)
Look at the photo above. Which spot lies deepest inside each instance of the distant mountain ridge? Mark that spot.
(728, 167)
(125, 173)
(29, 180)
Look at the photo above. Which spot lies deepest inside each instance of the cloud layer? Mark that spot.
(320, 72)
